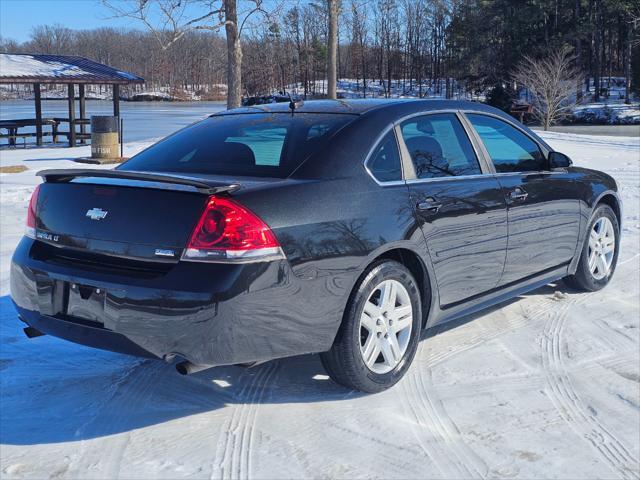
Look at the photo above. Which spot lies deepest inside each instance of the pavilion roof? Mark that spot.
(24, 68)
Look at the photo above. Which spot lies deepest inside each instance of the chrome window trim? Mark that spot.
(487, 166)
(544, 150)
(408, 168)
(478, 145)
(423, 113)
(414, 181)
(482, 164)
(376, 143)
(529, 172)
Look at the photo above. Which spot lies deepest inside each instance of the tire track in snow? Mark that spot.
(477, 339)
(568, 402)
(437, 434)
(596, 369)
(106, 462)
(235, 447)
(140, 396)
(491, 385)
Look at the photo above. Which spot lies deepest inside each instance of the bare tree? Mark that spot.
(359, 43)
(170, 20)
(332, 64)
(234, 54)
(551, 83)
(632, 40)
(55, 39)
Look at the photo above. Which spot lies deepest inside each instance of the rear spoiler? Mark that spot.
(66, 175)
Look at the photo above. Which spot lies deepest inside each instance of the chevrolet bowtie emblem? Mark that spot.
(96, 214)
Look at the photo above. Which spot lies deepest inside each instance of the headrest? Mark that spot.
(425, 126)
(238, 154)
(424, 145)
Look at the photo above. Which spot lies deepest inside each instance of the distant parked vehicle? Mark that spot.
(335, 227)
(265, 100)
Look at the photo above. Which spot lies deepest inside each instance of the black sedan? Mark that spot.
(343, 228)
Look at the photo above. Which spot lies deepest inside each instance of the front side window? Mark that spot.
(510, 149)
(384, 163)
(439, 146)
(253, 144)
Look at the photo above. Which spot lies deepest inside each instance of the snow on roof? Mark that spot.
(20, 68)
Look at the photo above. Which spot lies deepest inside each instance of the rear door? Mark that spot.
(458, 204)
(543, 207)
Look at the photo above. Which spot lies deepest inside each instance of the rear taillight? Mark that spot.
(228, 232)
(31, 214)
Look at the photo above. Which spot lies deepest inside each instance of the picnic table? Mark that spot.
(13, 127)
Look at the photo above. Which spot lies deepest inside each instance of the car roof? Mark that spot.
(385, 109)
(357, 106)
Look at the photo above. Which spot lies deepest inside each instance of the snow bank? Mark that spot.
(610, 113)
(153, 95)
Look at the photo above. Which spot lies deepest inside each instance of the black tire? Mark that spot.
(583, 279)
(344, 362)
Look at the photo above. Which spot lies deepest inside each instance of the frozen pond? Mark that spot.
(142, 120)
(149, 120)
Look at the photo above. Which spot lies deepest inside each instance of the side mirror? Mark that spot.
(559, 160)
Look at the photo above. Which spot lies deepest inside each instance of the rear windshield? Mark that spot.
(253, 144)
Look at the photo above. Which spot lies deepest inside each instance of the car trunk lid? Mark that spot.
(142, 216)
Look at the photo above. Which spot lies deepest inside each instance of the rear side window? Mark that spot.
(509, 149)
(439, 146)
(384, 163)
(260, 145)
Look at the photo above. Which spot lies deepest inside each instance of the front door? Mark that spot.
(460, 208)
(543, 207)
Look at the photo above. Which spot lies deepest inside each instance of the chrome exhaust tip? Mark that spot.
(187, 368)
(31, 332)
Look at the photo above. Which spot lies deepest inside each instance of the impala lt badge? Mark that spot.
(96, 214)
(47, 236)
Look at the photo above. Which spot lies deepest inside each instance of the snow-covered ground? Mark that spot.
(614, 112)
(546, 386)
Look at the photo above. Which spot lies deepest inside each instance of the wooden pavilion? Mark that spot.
(59, 69)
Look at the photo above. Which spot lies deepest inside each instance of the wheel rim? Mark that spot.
(602, 246)
(385, 326)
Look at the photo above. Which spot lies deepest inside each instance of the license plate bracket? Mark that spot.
(86, 302)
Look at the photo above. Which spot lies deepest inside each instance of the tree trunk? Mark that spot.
(364, 72)
(578, 50)
(597, 55)
(627, 65)
(234, 55)
(332, 66)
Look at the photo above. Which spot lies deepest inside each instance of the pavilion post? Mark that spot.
(71, 98)
(38, 99)
(83, 127)
(116, 100)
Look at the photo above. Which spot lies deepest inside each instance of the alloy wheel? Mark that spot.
(602, 245)
(385, 326)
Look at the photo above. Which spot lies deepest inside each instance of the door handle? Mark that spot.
(518, 194)
(429, 205)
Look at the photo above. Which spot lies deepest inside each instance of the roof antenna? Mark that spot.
(293, 104)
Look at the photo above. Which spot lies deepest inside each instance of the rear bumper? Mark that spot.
(209, 314)
(84, 334)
